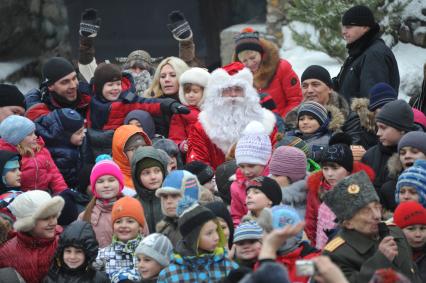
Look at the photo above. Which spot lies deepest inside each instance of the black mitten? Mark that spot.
(179, 26)
(90, 23)
(171, 106)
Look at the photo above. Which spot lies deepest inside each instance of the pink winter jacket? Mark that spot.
(325, 222)
(38, 171)
(238, 195)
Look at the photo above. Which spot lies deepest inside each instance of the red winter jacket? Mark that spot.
(181, 124)
(30, 257)
(238, 195)
(38, 171)
(315, 182)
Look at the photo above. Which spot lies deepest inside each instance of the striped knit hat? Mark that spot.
(248, 39)
(315, 110)
(296, 142)
(248, 230)
(415, 177)
(288, 161)
(380, 94)
(254, 147)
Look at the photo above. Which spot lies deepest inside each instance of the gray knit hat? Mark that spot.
(350, 195)
(397, 114)
(156, 246)
(15, 128)
(413, 139)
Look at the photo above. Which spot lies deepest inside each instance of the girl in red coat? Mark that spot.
(38, 168)
(31, 251)
(191, 93)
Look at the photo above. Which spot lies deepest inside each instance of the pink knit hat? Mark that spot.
(288, 161)
(419, 117)
(105, 167)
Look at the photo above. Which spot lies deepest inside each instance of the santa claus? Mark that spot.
(230, 104)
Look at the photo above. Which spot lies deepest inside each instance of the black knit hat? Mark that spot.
(203, 171)
(11, 96)
(55, 69)
(220, 210)
(358, 16)
(269, 187)
(192, 219)
(105, 73)
(397, 114)
(380, 94)
(70, 119)
(248, 39)
(223, 182)
(317, 72)
(339, 151)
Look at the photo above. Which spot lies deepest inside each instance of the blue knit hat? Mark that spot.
(248, 230)
(180, 182)
(315, 110)
(415, 177)
(15, 128)
(380, 94)
(70, 119)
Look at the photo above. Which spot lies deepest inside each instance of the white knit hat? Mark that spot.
(156, 246)
(254, 147)
(31, 206)
(194, 75)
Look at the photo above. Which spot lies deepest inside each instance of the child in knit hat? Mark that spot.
(247, 242)
(252, 155)
(17, 135)
(31, 250)
(204, 173)
(412, 184)
(154, 255)
(191, 93)
(172, 150)
(106, 182)
(128, 220)
(142, 120)
(200, 256)
(410, 216)
(63, 132)
(288, 168)
(224, 218)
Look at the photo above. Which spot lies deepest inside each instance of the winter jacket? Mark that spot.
(121, 136)
(109, 115)
(277, 78)
(68, 158)
(151, 204)
(238, 196)
(387, 191)
(101, 222)
(100, 142)
(420, 260)
(367, 122)
(80, 235)
(181, 125)
(370, 62)
(169, 228)
(205, 268)
(38, 171)
(7, 194)
(118, 256)
(295, 195)
(317, 186)
(325, 224)
(30, 257)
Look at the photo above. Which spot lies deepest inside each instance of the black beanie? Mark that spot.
(55, 69)
(193, 220)
(397, 114)
(269, 187)
(203, 171)
(358, 16)
(220, 210)
(105, 73)
(11, 96)
(339, 151)
(317, 72)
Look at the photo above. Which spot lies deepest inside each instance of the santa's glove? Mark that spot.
(90, 23)
(179, 26)
(171, 106)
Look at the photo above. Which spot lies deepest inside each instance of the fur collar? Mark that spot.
(336, 118)
(394, 166)
(339, 102)
(366, 117)
(294, 193)
(270, 60)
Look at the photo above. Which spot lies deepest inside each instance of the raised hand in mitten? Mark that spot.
(90, 23)
(171, 106)
(179, 26)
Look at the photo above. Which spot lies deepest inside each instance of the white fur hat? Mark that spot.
(194, 75)
(30, 206)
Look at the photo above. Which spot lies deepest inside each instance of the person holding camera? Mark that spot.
(364, 244)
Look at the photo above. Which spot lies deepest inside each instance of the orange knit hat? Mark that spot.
(130, 207)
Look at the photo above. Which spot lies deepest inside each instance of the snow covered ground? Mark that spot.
(8, 68)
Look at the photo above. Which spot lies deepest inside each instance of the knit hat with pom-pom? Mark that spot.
(248, 39)
(339, 151)
(254, 147)
(105, 166)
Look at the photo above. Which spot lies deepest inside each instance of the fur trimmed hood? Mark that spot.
(336, 118)
(339, 102)
(366, 117)
(295, 193)
(394, 166)
(270, 60)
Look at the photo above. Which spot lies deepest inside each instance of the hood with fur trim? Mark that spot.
(366, 117)
(294, 193)
(394, 166)
(268, 67)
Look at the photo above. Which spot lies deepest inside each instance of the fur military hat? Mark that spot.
(350, 195)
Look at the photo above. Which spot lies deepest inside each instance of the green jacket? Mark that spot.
(358, 256)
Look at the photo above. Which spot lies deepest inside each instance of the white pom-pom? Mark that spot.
(254, 128)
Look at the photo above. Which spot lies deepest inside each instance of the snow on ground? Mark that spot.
(10, 67)
(26, 84)
(410, 59)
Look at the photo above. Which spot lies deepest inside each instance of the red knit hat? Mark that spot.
(128, 207)
(409, 213)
